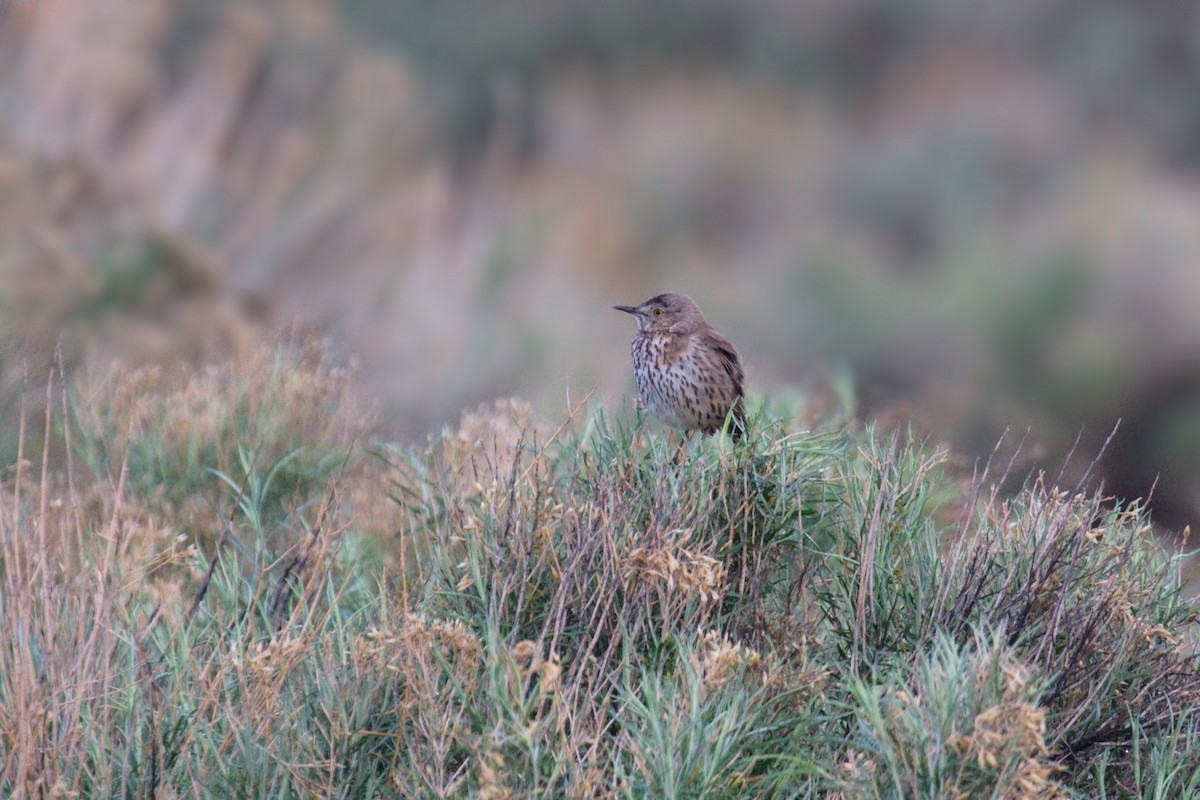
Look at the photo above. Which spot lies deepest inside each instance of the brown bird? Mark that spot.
(688, 375)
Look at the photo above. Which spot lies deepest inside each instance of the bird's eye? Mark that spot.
(658, 312)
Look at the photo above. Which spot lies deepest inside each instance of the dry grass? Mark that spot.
(279, 419)
(560, 612)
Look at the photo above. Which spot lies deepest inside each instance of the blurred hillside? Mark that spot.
(974, 218)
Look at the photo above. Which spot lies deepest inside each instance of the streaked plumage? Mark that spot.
(688, 374)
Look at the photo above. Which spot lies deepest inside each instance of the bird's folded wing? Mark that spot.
(728, 358)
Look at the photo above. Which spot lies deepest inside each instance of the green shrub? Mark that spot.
(593, 612)
(275, 424)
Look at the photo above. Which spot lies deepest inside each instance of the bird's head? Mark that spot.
(671, 313)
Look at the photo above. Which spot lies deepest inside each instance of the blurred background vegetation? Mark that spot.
(968, 217)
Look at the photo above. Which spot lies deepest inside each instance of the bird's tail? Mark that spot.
(737, 420)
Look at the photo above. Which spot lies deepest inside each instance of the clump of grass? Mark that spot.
(964, 721)
(281, 419)
(1080, 586)
(573, 535)
(581, 611)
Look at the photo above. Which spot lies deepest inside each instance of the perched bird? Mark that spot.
(688, 375)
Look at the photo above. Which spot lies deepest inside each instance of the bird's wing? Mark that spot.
(727, 357)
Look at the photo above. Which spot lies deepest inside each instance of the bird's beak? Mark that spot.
(627, 309)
